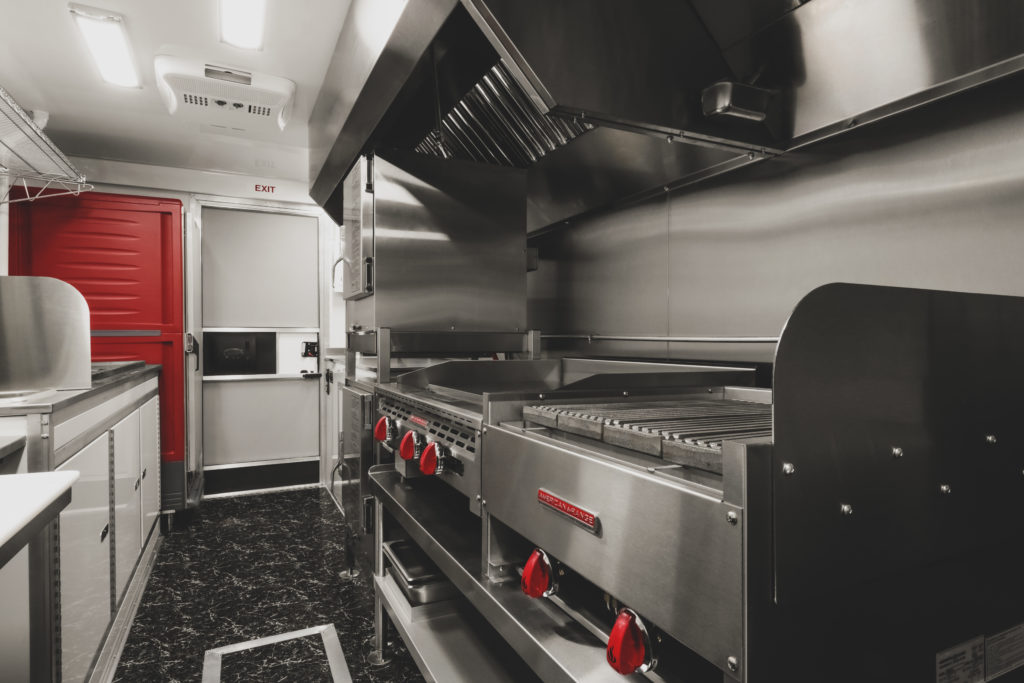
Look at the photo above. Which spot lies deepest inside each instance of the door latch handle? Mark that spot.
(103, 534)
(192, 346)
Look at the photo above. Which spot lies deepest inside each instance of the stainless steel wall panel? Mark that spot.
(259, 269)
(449, 247)
(930, 200)
(617, 269)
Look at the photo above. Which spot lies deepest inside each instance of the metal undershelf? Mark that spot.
(450, 646)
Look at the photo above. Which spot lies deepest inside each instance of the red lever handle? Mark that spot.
(407, 448)
(628, 645)
(428, 459)
(381, 429)
(537, 575)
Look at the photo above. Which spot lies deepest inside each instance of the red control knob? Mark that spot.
(629, 646)
(537, 575)
(407, 448)
(430, 459)
(382, 430)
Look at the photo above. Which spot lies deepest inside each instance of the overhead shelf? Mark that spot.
(30, 159)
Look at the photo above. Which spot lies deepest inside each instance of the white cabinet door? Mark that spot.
(127, 499)
(150, 461)
(85, 560)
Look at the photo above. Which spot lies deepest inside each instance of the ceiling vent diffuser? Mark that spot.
(223, 96)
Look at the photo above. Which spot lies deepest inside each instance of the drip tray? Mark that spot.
(418, 578)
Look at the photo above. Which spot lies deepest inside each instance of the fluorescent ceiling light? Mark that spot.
(107, 40)
(241, 23)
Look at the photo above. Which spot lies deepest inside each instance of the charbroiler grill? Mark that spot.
(857, 522)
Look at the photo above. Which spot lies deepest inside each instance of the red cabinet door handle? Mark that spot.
(629, 647)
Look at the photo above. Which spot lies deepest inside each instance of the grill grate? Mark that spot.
(688, 431)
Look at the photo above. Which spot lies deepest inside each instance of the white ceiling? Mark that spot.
(44, 64)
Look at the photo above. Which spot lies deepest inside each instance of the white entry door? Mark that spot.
(261, 382)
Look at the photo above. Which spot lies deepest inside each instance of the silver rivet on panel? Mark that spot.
(788, 468)
(733, 664)
(897, 452)
(846, 509)
(732, 518)
(945, 488)
(990, 438)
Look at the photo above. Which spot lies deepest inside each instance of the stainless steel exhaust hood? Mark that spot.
(507, 81)
(585, 93)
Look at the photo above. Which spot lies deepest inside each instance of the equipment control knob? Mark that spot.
(407, 447)
(629, 645)
(384, 429)
(434, 459)
(538, 577)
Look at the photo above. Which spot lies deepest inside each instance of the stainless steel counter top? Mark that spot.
(105, 376)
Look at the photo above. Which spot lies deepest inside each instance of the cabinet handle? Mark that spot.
(103, 534)
(137, 482)
(143, 474)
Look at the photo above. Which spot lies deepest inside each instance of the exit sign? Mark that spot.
(266, 188)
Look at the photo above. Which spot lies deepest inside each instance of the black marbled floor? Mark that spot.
(249, 567)
(299, 659)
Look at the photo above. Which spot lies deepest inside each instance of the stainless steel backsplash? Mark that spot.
(932, 199)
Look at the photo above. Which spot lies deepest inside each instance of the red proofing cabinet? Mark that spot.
(124, 254)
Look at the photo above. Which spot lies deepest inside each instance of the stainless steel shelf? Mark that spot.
(435, 517)
(448, 645)
(28, 156)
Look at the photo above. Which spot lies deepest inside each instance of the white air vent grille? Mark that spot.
(222, 96)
